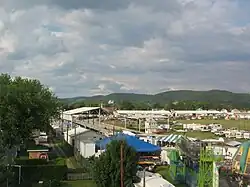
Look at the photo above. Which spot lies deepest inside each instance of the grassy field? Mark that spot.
(240, 124)
(79, 183)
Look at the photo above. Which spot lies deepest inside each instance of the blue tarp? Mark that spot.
(137, 144)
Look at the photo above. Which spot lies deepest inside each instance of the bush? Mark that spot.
(60, 161)
(35, 173)
(25, 161)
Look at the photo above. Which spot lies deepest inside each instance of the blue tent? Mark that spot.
(137, 144)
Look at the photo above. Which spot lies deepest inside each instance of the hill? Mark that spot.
(211, 96)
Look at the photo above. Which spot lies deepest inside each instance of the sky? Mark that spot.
(90, 47)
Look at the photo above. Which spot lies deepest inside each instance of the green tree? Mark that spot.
(106, 168)
(24, 105)
(127, 105)
(4, 172)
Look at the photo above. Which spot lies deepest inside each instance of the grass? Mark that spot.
(60, 161)
(72, 163)
(79, 183)
(240, 124)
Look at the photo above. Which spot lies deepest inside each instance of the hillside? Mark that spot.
(213, 96)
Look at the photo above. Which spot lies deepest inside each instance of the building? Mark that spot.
(38, 152)
(83, 140)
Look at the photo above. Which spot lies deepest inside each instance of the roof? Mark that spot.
(78, 130)
(157, 181)
(233, 143)
(80, 110)
(137, 144)
(172, 138)
(220, 140)
(37, 148)
(160, 112)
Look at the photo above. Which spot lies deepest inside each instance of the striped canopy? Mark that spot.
(172, 138)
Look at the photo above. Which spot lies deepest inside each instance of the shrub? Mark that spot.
(35, 173)
(25, 161)
(60, 161)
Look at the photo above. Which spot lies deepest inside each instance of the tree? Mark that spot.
(4, 173)
(25, 105)
(106, 168)
(126, 105)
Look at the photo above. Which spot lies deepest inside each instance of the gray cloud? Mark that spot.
(92, 47)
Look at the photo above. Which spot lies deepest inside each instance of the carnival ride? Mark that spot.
(194, 164)
(241, 163)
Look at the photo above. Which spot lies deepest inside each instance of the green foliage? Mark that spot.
(67, 149)
(3, 168)
(24, 105)
(26, 161)
(179, 100)
(35, 173)
(106, 168)
(60, 161)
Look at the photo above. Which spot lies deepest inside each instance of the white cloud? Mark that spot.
(87, 47)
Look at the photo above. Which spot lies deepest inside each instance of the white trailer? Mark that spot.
(246, 135)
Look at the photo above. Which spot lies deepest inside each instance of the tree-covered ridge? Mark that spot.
(182, 100)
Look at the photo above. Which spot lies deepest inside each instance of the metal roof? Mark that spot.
(233, 143)
(80, 110)
(159, 112)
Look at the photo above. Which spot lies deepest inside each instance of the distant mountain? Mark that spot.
(214, 96)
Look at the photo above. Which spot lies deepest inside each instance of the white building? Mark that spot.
(72, 133)
(83, 140)
(87, 148)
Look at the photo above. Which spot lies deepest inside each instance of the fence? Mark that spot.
(79, 176)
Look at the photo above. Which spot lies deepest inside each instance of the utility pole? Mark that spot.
(75, 138)
(62, 121)
(67, 133)
(122, 169)
(144, 177)
(99, 116)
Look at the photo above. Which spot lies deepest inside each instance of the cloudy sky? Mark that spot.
(87, 47)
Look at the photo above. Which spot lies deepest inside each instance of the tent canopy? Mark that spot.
(137, 144)
(172, 138)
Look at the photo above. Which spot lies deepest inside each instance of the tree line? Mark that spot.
(171, 105)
